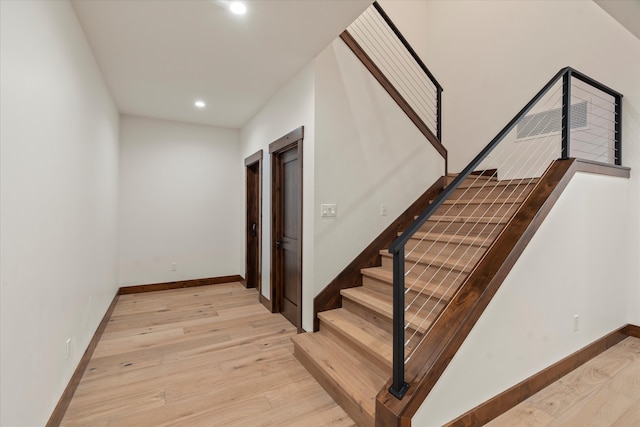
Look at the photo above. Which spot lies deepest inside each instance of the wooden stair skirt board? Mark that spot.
(351, 354)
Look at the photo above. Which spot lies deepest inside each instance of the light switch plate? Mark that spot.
(328, 210)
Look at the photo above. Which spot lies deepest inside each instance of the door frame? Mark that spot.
(290, 140)
(254, 160)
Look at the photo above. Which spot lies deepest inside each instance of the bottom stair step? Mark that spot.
(365, 338)
(346, 376)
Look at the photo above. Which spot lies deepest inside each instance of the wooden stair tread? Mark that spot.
(470, 219)
(362, 333)
(452, 238)
(492, 183)
(383, 306)
(353, 383)
(485, 200)
(435, 291)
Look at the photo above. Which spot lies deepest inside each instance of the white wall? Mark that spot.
(59, 176)
(368, 153)
(569, 268)
(180, 198)
(360, 151)
(491, 57)
(503, 56)
(290, 108)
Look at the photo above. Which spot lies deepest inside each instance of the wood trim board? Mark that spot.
(393, 92)
(61, 408)
(179, 284)
(255, 157)
(633, 331)
(506, 400)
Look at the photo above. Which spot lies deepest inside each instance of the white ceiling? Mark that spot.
(159, 56)
(626, 12)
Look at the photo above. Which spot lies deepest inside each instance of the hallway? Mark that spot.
(205, 356)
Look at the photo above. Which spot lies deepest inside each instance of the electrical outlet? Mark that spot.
(328, 210)
(576, 322)
(383, 210)
(174, 266)
(67, 348)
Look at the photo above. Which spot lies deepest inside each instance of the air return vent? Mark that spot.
(551, 121)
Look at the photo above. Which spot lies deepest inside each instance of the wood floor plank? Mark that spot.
(524, 415)
(605, 392)
(206, 356)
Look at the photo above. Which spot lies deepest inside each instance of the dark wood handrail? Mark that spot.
(406, 45)
(393, 92)
(450, 330)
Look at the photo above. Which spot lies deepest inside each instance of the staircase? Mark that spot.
(351, 354)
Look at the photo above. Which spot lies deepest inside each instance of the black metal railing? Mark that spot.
(379, 37)
(588, 125)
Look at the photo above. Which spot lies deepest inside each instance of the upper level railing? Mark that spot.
(381, 47)
(573, 115)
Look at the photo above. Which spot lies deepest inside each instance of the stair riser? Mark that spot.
(512, 190)
(381, 322)
(434, 275)
(470, 229)
(356, 347)
(415, 246)
(454, 264)
(350, 406)
(369, 315)
(438, 292)
(498, 210)
(471, 178)
(415, 294)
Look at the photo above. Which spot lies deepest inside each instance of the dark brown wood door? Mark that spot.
(253, 226)
(286, 226)
(287, 244)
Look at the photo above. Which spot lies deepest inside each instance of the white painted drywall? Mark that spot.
(570, 267)
(368, 153)
(292, 107)
(360, 151)
(180, 199)
(492, 56)
(58, 210)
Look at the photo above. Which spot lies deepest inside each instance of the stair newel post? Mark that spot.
(566, 114)
(399, 387)
(617, 155)
(439, 113)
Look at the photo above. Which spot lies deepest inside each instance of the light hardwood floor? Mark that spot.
(604, 392)
(205, 356)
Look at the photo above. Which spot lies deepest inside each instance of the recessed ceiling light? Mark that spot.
(200, 104)
(238, 8)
